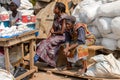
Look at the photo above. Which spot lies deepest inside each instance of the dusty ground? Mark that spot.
(50, 76)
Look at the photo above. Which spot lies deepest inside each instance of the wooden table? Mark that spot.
(6, 43)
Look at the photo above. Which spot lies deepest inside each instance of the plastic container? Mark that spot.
(31, 25)
(37, 33)
(26, 18)
(6, 23)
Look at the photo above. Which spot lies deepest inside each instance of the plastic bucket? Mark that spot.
(26, 18)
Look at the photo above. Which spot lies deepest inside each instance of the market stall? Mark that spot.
(6, 43)
(23, 30)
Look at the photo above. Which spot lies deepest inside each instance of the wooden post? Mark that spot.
(31, 54)
(22, 48)
(7, 60)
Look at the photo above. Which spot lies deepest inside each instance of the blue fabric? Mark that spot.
(36, 57)
(80, 38)
(81, 35)
(67, 37)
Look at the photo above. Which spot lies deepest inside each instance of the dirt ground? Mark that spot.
(50, 76)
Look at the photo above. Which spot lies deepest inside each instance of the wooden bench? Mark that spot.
(92, 51)
(62, 59)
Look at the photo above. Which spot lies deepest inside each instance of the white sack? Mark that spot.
(109, 43)
(115, 25)
(86, 11)
(110, 9)
(25, 4)
(106, 1)
(111, 36)
(98, 41)
(6, 75)
(94, 31)
(105, 66)
(104, 25)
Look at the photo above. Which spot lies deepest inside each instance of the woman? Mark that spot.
(77, 39)
(15, 16)
(47, 49)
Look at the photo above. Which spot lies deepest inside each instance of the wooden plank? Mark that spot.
(94, 47)
(7, 60)
(71, 73)
(27, 33)
(68, 73)
(43, 67)
(17, 40)
(26, 74)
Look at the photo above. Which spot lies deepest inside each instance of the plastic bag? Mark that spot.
(115, 25)
(94, 31)
(105, 66)
(104, 25)
(109, 9)
(85, 11)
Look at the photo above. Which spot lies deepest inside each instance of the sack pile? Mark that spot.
(103, 19)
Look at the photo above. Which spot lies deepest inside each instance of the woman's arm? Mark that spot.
(62, 29)
(80, 39)
(50, 32)
(73, 46)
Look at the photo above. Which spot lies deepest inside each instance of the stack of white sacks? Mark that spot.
(103, 19)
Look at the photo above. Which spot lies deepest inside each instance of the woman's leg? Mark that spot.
(84, 67)
(84, 63)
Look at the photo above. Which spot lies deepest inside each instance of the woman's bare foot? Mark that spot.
(80, 72)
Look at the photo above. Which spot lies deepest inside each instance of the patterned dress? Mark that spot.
(47, 49)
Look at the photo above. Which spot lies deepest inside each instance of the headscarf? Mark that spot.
(70, 18)
(77, 25)
(17, 2)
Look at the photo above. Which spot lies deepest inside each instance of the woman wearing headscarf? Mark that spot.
(77, 39)
(15, 15)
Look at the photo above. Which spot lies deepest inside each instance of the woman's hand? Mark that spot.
(52, 32)
(66, 50)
